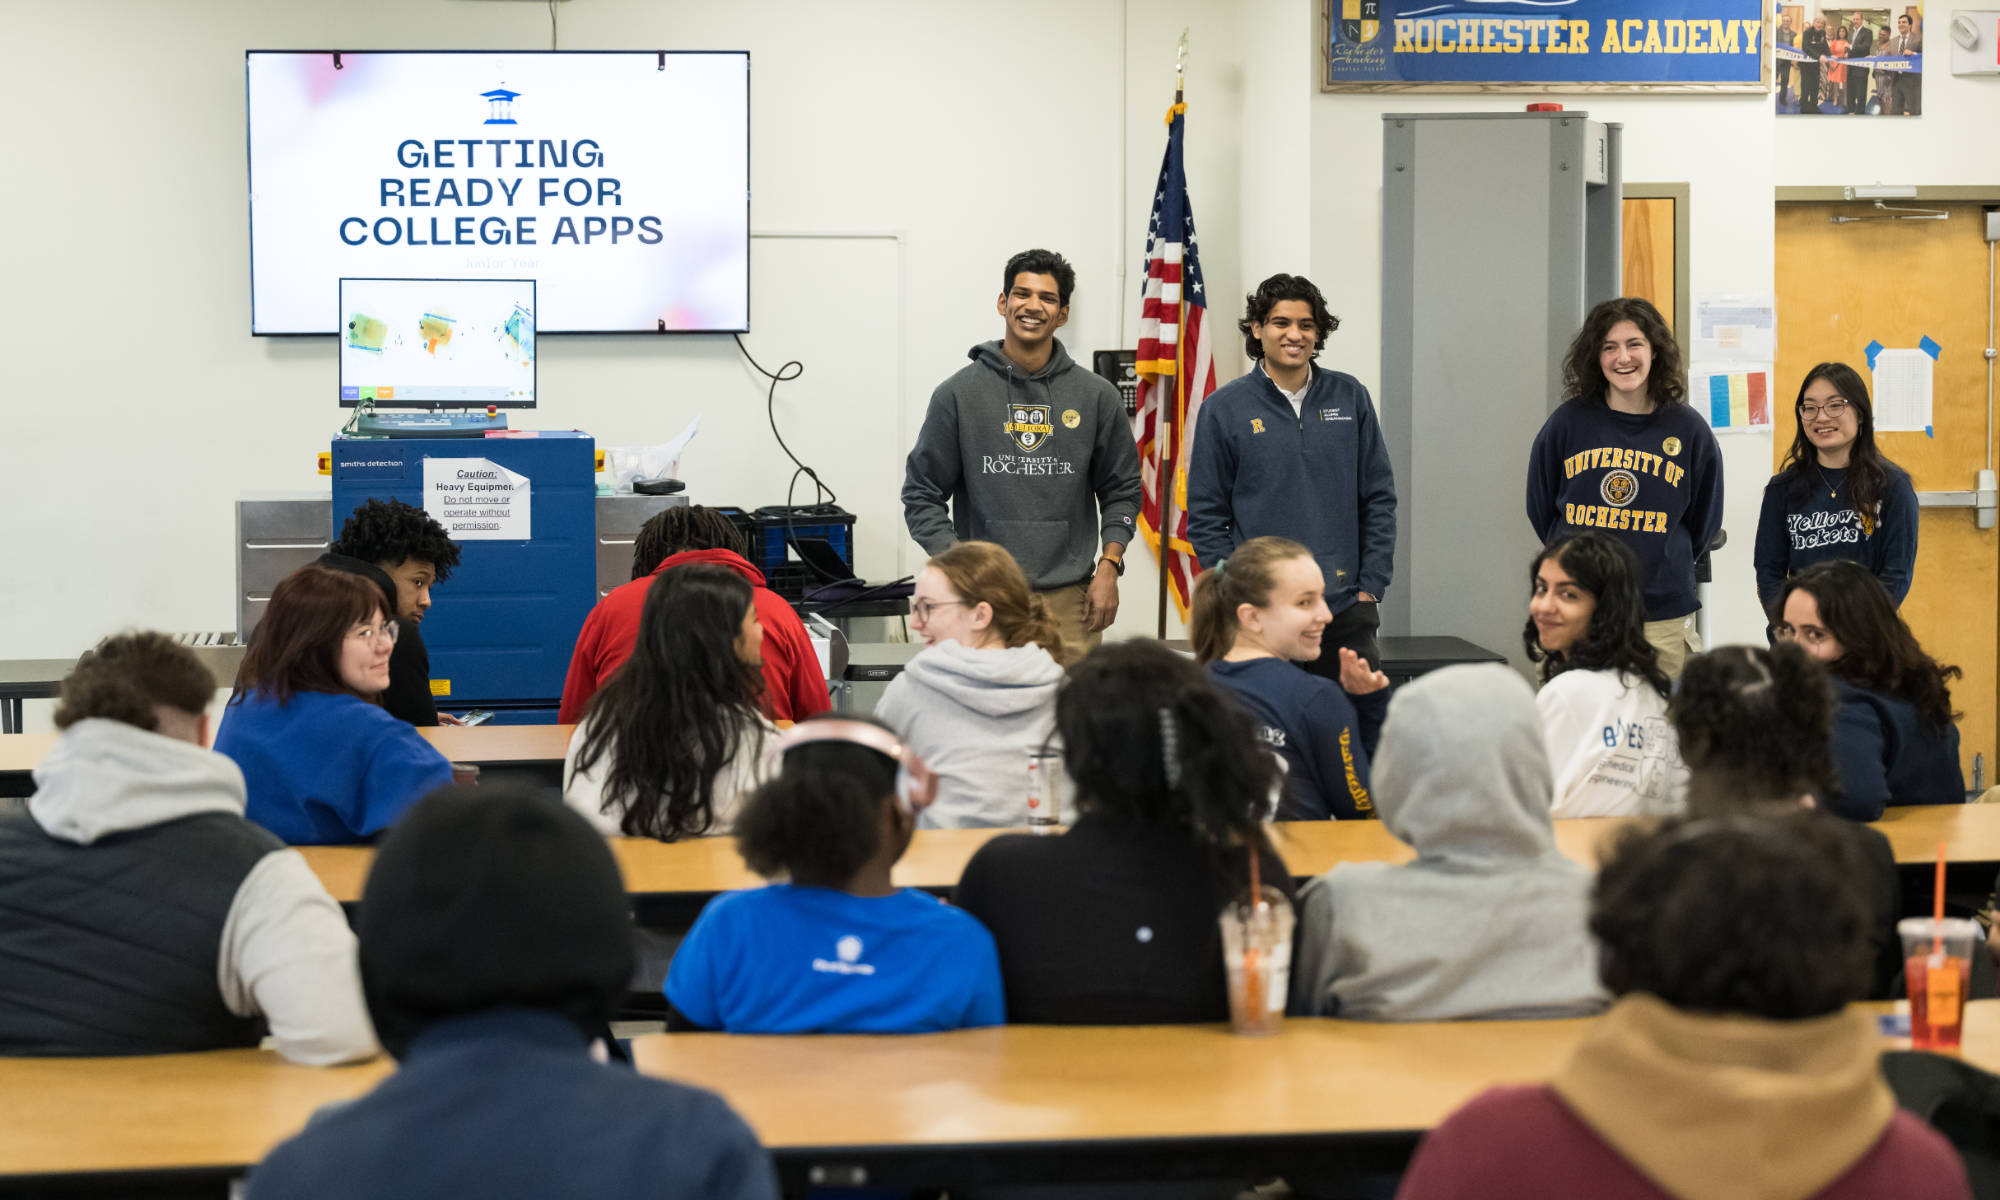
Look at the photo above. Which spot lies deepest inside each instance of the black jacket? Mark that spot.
(409, 695)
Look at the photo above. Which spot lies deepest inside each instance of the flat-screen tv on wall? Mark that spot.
(618, 181)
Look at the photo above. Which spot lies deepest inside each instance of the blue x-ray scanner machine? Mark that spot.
(500, 632)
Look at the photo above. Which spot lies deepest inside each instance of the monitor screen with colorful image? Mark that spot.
(437, 343)
(618, 180)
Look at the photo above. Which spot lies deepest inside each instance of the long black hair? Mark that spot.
(1867, 472)
(1583, 373)
(1148, 738)
(1878, 651)
(819, 821)
(1755, 726)
(680, 709)
(1616, 641)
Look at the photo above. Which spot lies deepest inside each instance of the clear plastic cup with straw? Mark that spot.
(1937, 969)
(1257, 952)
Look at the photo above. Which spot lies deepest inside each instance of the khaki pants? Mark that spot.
(1676, 639)
(1066, 606)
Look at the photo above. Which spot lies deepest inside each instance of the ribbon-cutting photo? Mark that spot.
(1850, 61)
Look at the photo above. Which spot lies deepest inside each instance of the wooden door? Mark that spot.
(1649, 258)
(1896, 282)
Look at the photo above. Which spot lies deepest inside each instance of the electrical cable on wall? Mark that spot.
(789, 371)
(552, 24)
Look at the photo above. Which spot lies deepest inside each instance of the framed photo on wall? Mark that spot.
(1546, 45)
(1847, 58)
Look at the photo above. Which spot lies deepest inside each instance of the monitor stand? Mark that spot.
(377, 424)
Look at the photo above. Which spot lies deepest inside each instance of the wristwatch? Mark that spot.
(1117, 564)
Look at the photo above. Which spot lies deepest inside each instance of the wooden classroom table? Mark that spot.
(701, 867)
(533, 748)
(988, 1105)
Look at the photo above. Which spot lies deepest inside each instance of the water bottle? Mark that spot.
(1043, 809)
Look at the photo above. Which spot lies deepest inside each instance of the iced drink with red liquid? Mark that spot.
(1937, 970)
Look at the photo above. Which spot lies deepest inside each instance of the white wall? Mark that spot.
(139, 407)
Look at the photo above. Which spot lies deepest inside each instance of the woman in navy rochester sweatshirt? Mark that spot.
(1257, 614)
(322, 760)
(1624, 453)
(1894, 741)
(1836, 496)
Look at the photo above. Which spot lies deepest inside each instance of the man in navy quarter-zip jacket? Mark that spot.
(1295, 450)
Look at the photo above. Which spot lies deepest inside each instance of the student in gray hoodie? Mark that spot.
(1490, 920)
(982, 693)
(139, 912)
(1034, 452)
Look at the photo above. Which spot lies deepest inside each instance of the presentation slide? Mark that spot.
(437, 343)
(620, 182)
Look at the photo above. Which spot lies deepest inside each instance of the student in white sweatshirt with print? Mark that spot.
(1604, 697)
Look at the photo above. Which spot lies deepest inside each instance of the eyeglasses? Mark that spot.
(368, 634)
(922, 609)
(1832, 408)
(1811, 635)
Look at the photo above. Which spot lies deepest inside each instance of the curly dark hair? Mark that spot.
(1258, 305)
(680, 529)
(1878, 650)
(1583, 377)
(680, 709)
(1616, 641)
(1146, 736)
(1042, 262)
(1755, 725)
(392, 532)
(1867, 471)
(1767, 916)
(820, 821)
(129, 676)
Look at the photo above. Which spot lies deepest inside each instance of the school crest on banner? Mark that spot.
(1030, 426)
(1495, 45)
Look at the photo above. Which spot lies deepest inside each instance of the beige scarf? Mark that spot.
(1730, 1107)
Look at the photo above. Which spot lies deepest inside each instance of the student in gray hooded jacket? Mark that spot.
(142, 913)
(982, 693)
(1034, 452)
(1489, 922)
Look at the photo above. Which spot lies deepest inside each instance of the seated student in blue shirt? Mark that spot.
(837, 948)
(1894, 740)
(323, 761)
(1255, 615)
(495, 943)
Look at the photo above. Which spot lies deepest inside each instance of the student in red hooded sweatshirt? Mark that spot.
(794, 687)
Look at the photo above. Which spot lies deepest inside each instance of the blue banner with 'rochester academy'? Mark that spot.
(1635, 42)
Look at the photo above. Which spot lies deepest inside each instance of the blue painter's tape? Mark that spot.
(1718, 401)
(1930, 347)
(1871, 350)
(1929, 432)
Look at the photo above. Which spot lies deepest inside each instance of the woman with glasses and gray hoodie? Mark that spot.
(981, 695)
(1489, 921)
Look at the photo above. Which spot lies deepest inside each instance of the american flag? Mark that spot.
(1176, 359)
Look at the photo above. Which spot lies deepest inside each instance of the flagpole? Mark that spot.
(1169, 447)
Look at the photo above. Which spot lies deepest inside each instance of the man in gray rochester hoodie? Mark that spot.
(1034, 452)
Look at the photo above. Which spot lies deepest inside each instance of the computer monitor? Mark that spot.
(437, 343)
